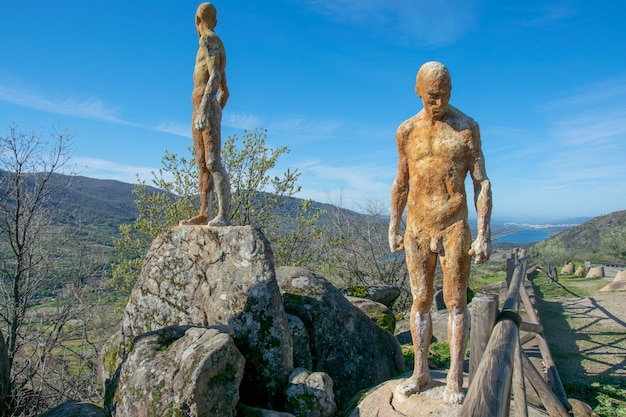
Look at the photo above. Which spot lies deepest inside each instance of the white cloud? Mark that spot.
(88, 108)
(103, 169)
(241, 120)
(176, 128)
(355, 185)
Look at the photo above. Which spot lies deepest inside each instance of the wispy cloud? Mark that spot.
(241, 120)
(301, 126)
(100, 168)
(586, 144)
(176, 128)
(430, 23)
(88, 108)
(355, 184)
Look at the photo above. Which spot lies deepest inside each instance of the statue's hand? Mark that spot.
(480, 249)
(201, 121)
(396, 242)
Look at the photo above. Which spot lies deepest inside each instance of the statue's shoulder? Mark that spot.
(212, 42)
(410, 124)
(460, 120)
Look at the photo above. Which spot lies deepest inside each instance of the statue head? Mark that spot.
(206, 15)
(433, 85)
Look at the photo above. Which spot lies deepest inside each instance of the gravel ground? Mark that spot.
(587, 335)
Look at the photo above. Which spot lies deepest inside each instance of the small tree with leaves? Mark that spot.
(549, 255)
(258, 198)
(613, 244)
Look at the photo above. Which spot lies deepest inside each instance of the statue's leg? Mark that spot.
(204, 181)
(213, 149)
(421, 263)
(456, 270)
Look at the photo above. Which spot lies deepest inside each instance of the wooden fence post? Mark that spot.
(484, 309)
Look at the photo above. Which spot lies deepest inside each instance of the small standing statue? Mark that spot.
(436, 149)
(209, 79)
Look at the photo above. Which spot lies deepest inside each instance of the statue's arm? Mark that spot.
(399, 195)
(224, 94)
(213, 56)
(481, 247)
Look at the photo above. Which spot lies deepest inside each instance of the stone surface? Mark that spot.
(618, 284)
(344, 342)
(246, 411)
(302, 357)
(568, 269)
(381, 293)
(383, 401)
(439, 321)
(595, 272)
(581, 271)
(310, 394)
(204, 276)
(379, 313)
(178, 370)
(75, 409)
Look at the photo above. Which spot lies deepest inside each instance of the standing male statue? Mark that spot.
(209, 80)
(436, 149)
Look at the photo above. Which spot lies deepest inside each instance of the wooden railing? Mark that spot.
(500, 369)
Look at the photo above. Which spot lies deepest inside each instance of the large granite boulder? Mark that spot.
(310, 394)
(178, 370)
(75, 409)
(344, 342)
(205, 276)
(378, 312)
(302, 357)
(381, 293)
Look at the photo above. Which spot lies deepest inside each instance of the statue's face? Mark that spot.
(435, 94)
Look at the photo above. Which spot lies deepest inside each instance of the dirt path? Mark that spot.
(587, 335)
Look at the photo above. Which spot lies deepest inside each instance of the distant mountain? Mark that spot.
(103, 205)
(585, 240)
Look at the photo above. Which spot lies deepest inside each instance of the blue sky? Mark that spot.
(545, 80)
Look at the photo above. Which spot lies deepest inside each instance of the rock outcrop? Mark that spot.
(75, 409)
(310, 394)
(212, 329)
(171, 371)
(381, 293)
(204, 276)
(379, 313)
(344, 342)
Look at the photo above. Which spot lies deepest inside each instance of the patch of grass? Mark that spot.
(606, 397)
(478, 282)
(439, 354)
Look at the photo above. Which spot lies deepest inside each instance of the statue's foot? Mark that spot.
(453, 394)
(200, 219)
(218, 222)
(411, 385)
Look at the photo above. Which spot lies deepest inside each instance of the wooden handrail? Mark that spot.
(490, 393)
(504, 366)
